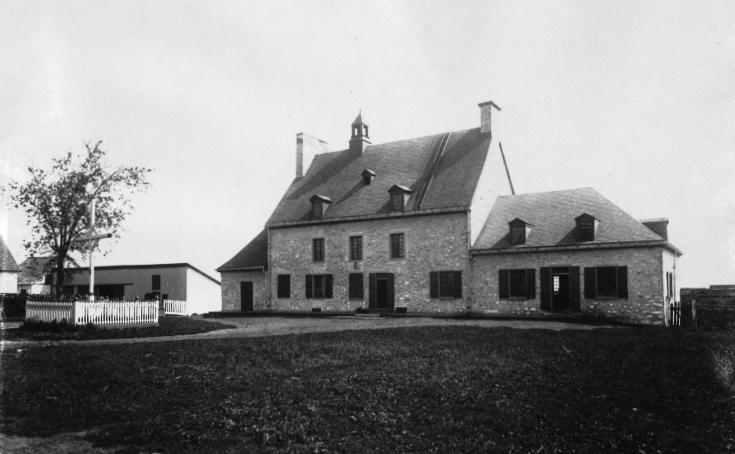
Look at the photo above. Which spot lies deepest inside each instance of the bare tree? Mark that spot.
(56, 203)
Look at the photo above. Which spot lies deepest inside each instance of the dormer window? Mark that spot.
(519, 230)
(367, 176)
(319, 204)
(398, 197)
(586, 227)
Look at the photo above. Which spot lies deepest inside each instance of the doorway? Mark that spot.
(246, 296)
(559, 291)
(381, 291)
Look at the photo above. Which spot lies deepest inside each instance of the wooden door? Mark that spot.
(246, 296)
(381, 291)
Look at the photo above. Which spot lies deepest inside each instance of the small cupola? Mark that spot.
(360, 137)
(586, 227)
(319, 205)
(367, 176)
(399, 196)
(519, 230)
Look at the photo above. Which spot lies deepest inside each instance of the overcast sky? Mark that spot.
(636, 99)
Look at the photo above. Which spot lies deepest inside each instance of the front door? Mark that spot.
(246, 296)
(560, 288)
(381, 291)
(560, 291)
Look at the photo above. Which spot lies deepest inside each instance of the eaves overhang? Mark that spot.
(577, 247)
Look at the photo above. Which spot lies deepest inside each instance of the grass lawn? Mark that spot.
(168, 325)
(432, 389)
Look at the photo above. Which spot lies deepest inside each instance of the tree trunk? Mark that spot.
(60, 275)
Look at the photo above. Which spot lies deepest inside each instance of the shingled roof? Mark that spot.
(7, 262)
(441, 169)
(253, 256)
(553, 214)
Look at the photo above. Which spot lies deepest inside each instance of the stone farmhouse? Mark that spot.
(427, 225)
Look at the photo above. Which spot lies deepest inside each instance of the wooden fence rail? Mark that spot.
(104, 313)
(176, 307)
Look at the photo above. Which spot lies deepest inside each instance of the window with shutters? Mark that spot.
(317, 249)
(284, 286)
(445, 284)
(517, 284)
(397, 245)
(318, 286)
(357, 290)
(355, 248)
(606, 282)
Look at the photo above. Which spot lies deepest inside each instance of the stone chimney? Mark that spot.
(486, 109)
(306, 148)
(360, 137)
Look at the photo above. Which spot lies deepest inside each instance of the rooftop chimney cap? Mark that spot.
(489, 103)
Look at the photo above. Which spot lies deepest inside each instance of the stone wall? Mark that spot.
(231, 289)
(645, 282)
(433, 243)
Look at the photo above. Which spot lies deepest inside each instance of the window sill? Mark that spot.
(606, 298)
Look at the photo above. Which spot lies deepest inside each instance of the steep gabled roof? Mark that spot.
(7, 261)
(441, 169)
(553, 217)
(253, 256)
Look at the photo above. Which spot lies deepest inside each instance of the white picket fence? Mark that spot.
(176, 307)
(104, 313)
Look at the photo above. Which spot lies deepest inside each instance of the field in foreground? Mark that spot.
(438, 389)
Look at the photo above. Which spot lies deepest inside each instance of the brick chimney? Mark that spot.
(306, 148)
(486, 109)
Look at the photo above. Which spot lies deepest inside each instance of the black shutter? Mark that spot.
(371, 284)
(457, 284)
(391, 290)
(622, 279)
(574, 287)
(327, 286)
(308, 286)
(356, 286)
(531, 283)
(590, 283)
(545, 288)
(434, 284)
(503, 289)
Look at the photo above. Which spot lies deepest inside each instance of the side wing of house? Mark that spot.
(570, 252)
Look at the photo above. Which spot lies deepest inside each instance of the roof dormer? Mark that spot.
(519, 230)
(398, 197)
(586, 227)
(367, 176)
(319, 205)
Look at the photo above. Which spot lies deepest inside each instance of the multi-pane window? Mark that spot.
(284, 286)
(445, 284)
(355, 248)
(397, 245)
(357, 290)
(318, 285)
(317, 249)
(606, 282)
(519, 283)
(156, 282)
